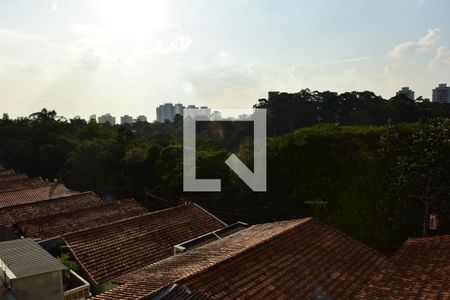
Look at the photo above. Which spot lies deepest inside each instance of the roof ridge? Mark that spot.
(20, 181)
(103, 204)
(128, 219)
(137, 202)
(426, 238)
(25, 179)
(48, 200)
(351, 238)
(8, 170)
(31, 188)
(215, 217)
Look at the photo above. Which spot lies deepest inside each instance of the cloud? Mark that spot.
(343, 61)
(169, 40)
(57, 4)
(441, 59)
(422, 44)
(89, 30)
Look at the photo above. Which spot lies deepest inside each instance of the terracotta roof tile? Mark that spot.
(29, 195)
(420, 269)
(117, 248)
(13, 177)
(18, 213)
(66, 222)
(21, 184)
(284, 260)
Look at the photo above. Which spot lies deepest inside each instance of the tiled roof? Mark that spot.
(30, 195)
(117, 248)
(12, 177)
(58, 224)
(7, 172)
(291, 259)
(420, 269)
(22, 212)
(21, 184)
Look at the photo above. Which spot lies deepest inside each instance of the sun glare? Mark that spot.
(132, 15)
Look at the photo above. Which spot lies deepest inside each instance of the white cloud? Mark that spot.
(422, 44)
(169, 40)
(343, 61)
(89, 30)
(56, 4)
(441, 59)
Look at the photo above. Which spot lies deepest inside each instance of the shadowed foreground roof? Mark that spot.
(30, 195)
(420, 269)
(283, 260)
(117, 248)
(66, 222)
(18, 213)
(21, 184)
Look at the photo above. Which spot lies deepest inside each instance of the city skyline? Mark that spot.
(129, 56)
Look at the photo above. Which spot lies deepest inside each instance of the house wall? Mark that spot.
(48, 286)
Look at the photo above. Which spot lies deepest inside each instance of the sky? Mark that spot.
(83, 57)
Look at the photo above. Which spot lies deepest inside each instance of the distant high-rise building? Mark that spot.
(407, 92)
(93, 118)
(126, 119)
(205, 111)
(441, 94)
(165, 112)
(107, 118)
(178, 109)
(141, 118)
(168, 111)
(195, 111)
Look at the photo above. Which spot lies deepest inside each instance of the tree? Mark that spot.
(419, 170)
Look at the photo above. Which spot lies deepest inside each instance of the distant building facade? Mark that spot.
(126, 119)
(406, 91)
(93, 118)
(107, 118)
(141, 118)
(195, 111)
(168, 111)
(165, 112)
(441, 94)
(178, 109)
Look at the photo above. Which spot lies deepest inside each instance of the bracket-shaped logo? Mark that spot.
(256, 180)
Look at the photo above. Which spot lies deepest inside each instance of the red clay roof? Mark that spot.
(117, 248)
(21, 184)
(420, 269)
(17, 213)
(7, 172)
(292, 259)
(29, 195)
(66, 222)
(12, 177)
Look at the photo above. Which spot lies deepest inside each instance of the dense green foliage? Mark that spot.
(367, 166)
